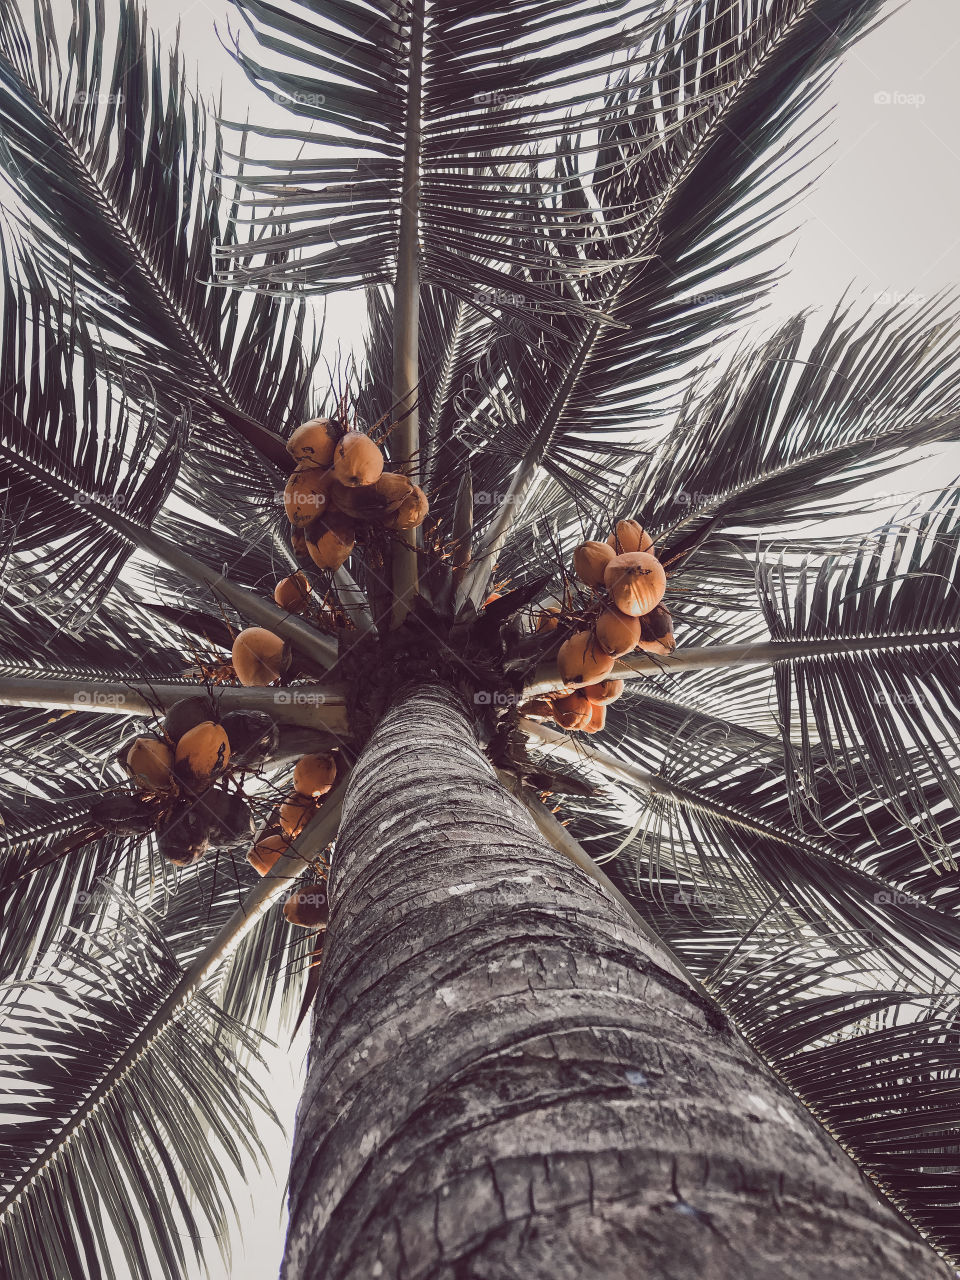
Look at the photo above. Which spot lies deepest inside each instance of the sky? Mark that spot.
(882, 222)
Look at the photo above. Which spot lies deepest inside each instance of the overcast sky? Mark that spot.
(883, 220)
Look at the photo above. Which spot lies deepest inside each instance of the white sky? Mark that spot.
(883, 220)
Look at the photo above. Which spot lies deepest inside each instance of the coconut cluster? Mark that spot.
(339, 482)
(313, 778)
(629, 583)
(188, 776)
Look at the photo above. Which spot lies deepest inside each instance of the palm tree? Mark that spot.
(520, 1061)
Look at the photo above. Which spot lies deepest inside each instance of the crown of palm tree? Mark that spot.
(557, 211)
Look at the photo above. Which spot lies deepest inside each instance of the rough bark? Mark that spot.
(507, 1080)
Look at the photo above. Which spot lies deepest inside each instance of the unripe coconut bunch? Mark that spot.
(629, 582)
(338, 480)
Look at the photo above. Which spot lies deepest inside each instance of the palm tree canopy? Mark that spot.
(593, 192)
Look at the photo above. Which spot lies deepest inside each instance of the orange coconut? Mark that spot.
(598, 718)
(549, 619)
(411, 512)
(307, 906)
(657, 632)
(636, 581)
(331, 540)
(150, 764)
(259, 656)
(573, 710)
(299, 543)
(314, 442)
(266, 853)
(617, 633)
(314, 775)
(307, 495)
(202, 753)
(629, 535)
(605, 692)
(581, 660)
(295, 812)
(392, 488)
(589, 561)
(357, 460)
(539, 708)
(293, 593)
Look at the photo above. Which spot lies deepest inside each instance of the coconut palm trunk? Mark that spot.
(506, 1078)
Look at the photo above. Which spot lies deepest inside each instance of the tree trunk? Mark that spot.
(507, 1080)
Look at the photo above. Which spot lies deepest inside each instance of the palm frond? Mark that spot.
(120, 180)
(158, 1111)
(884, 724)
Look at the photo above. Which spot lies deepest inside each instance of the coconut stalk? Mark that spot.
(315, 837)
(546, 677)
(476, 577)
(406, 318)
(507, 1078)
(320, 707)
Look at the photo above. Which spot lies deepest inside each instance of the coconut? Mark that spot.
(539, 708)
(149, 762)
(314, 442)
(299, 543)
(636, 581)
(267, 852)
(307, 495)
(295, 812)
(598, 718)
(361, 503)
(231, 821)
(331, 540)
(549, 619)
(393, 488)
(186, 714)
(605, 692)
(617, 633)
(589, 561)
(202, 754)
(357, 460)
(657, 632)
(259, 656)
(307, 906)
(254, 737)
(314, 775)
(293, 593)
(411, 512)
(581, 660)
(629, 536)
(573, 710)
(184, 835)
(125, 814)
